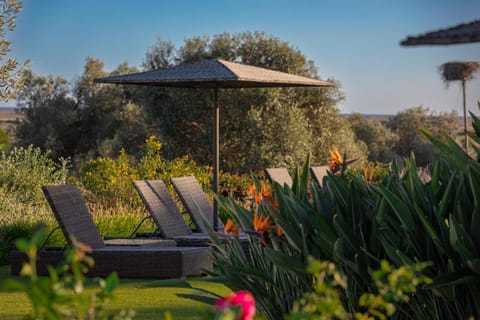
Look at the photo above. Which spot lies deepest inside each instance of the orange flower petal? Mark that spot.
(280, 231)
(231, 227)
(252, 190)
(275, 204)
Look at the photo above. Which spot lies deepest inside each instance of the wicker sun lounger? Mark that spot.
(162, 209)
(318, 173)
(167, 216)
(279, 175)
(195, 201)
(132, 261)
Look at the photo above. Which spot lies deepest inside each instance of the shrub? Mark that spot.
(61, 295)
(22, 173)
(392, 285)
(24, 170)
(9, 233)
(356, 221)
(111, 179)
(235, 185)
(4, 141)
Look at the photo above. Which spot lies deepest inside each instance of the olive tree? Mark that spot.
(406, 124)
(12, 72)
(259, 127)
(379, 139)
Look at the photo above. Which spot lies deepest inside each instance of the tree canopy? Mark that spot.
(11, 71)
(406, 124)
(259, 127)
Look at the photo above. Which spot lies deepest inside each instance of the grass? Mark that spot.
(149, 298)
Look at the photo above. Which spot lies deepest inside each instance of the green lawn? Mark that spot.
(149, 298)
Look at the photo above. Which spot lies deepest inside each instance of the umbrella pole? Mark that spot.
(465, 132)
(216, 157)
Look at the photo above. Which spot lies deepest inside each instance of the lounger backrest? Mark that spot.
(162, 208)
(279, 175)
(318, 173)
(195, 201)
(72, 214)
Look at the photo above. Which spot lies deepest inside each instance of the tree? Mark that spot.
(50, 115)
(11, 72)
(84, 120)
(259, 127)
(379, 139)
(406, 124)
(107, 114)
(460, 71)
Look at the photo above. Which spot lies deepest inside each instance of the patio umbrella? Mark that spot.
(215, 74)
(463, 33)
(459, 34)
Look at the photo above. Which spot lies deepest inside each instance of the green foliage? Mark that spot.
(116, 222)
(11, 72)
(325, 301)
(329, 131)
(356, 222)
(393, 286)
(62, 294)
(258, 126)
(173, 295)
(378, 138)
(86, 121)
(406, 125)
(109, 120)
(119, 221)
(24, 170)
(111, 179)
(273, 271)
(22, 173)
(9, 232)
(281, 136)
(4, 141)
(51, 116)
(235, 185)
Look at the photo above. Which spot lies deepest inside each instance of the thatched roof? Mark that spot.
(461, 33)
(459, 70)
(215, 74)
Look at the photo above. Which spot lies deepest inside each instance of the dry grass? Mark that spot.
(9, 120)
(7, 115)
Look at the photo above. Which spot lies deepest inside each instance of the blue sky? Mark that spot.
(354, 41)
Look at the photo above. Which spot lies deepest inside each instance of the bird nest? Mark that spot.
(456, 71)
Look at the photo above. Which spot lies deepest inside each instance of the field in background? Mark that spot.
(9, 115)
(9, 119)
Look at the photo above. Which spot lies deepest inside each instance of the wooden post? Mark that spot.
(465, 117)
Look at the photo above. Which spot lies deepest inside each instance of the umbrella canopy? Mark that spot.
(462, 33)
(215, 74)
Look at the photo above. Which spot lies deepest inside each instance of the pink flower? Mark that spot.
(243, 299)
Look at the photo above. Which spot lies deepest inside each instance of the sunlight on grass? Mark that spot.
(149, 298)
